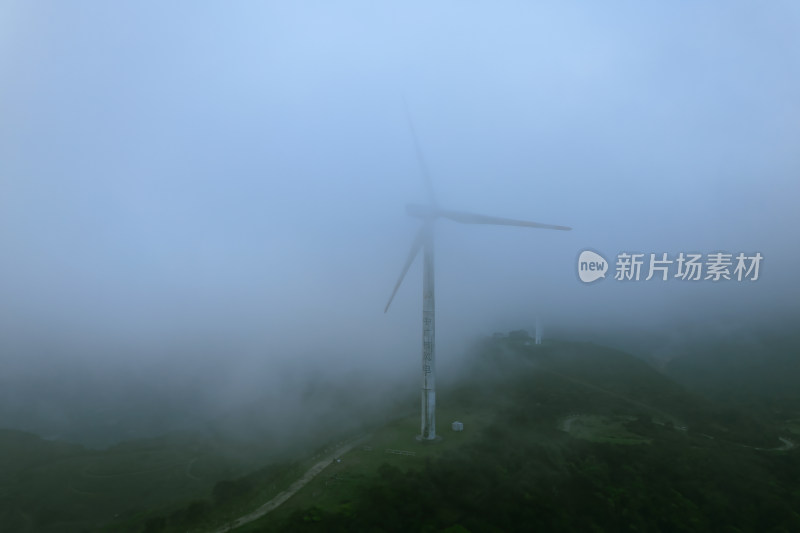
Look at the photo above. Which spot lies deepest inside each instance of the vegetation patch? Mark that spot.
(597, 428)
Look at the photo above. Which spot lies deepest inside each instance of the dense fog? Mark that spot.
(202, 207)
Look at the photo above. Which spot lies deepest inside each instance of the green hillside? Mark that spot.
(558, 436)
(758, 375)
(561, 436)
(634, 469)
(50, 486)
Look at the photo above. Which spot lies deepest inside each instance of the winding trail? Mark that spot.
(281, 497)
(785, 446)
(679, 424)
(566, 424)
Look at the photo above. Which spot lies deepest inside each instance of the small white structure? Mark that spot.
(458, 426)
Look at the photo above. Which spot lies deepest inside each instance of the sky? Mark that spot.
(226, 182)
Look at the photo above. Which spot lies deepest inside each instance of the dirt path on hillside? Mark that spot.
(281, 497)
(786, 445)
(677, 423)
(566, 424)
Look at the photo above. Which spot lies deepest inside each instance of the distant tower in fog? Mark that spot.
(538, 331)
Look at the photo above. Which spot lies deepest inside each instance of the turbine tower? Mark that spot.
(538, 331)
(428, 214)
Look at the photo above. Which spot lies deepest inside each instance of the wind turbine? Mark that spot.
(428, 214)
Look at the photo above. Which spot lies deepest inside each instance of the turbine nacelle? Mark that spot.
(429, 213)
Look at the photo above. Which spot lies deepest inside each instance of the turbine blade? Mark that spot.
(472, 218)
(420, 156)
(412, 254)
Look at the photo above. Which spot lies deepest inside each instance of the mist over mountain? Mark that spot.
(204, 211)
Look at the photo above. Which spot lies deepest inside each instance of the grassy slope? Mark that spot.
(760, 375)
(529, 390)
(53, 486)
(518, 394)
